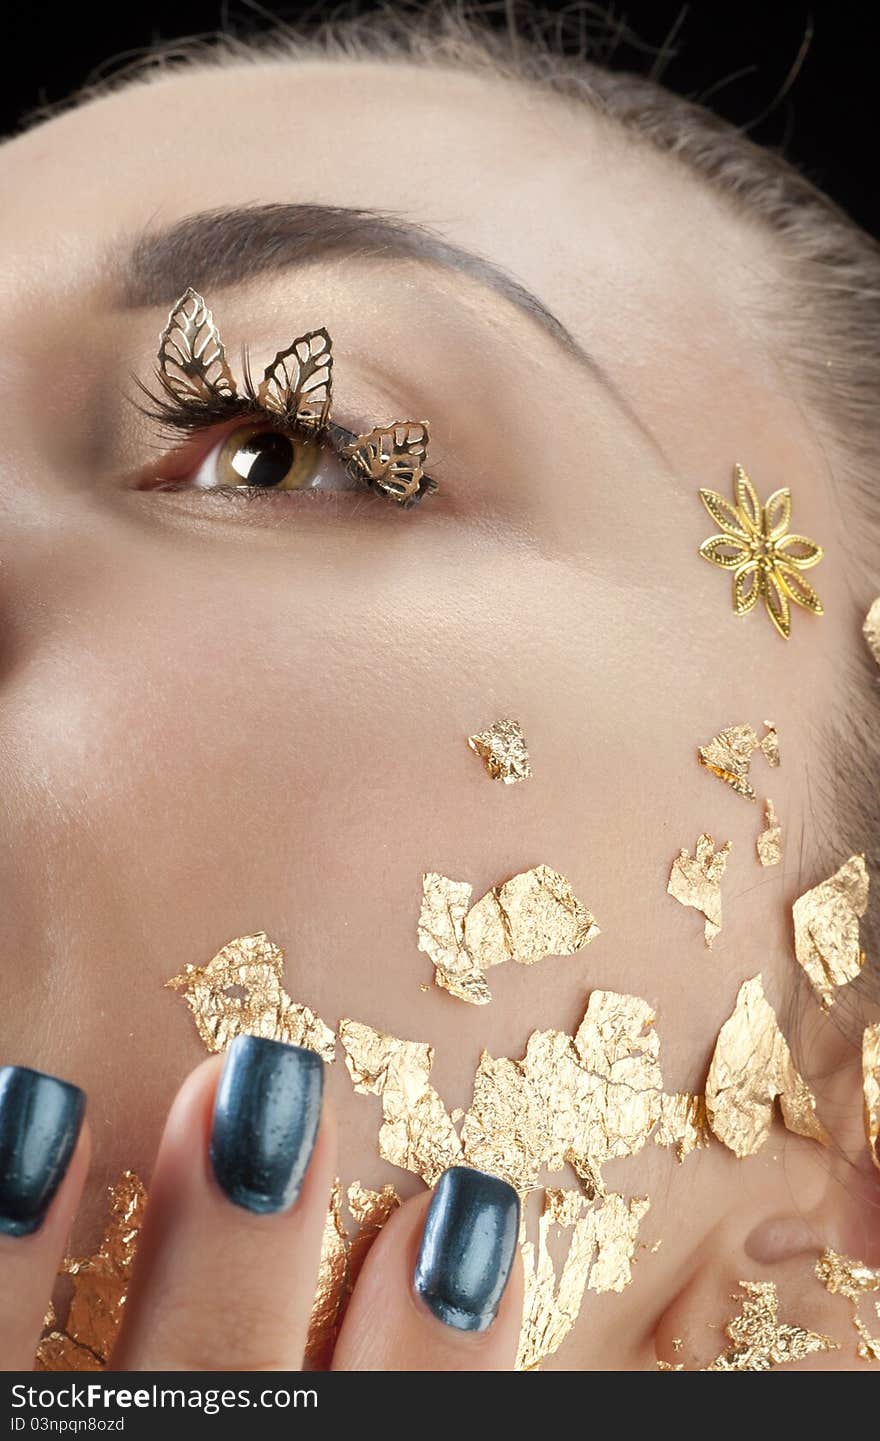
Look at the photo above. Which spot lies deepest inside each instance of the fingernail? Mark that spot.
(266, 1116)
(40, 1120)
(468, 1246)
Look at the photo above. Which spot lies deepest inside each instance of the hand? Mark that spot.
(244, 1172)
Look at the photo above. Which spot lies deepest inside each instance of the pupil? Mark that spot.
(264, 459)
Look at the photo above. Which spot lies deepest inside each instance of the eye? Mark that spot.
(260, 457)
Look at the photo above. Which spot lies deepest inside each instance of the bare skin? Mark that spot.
(217, 720)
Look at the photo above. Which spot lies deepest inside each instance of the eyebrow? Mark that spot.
(225, 246)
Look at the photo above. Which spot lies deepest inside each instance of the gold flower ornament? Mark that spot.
(765, 560)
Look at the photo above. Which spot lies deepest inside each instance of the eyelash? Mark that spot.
(174, 415)
(383, 460)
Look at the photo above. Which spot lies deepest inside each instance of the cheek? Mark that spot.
(211, 740)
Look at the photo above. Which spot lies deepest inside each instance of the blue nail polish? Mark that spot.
(266, 1116)
(40, 1119)
(468, 1246)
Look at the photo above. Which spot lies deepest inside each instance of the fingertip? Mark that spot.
(442, 1287)
(204, 1120)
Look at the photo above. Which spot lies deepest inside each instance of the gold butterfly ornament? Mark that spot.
(765, 559)
(295, 393)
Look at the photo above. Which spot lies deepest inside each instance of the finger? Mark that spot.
(44, 1157)
(441, 1289)
(227, 1263)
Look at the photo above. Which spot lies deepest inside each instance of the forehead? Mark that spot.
(638, 259)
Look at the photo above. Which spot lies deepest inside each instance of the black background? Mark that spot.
(801, 77)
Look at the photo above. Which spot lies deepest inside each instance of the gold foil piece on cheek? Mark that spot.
(871, 630)
(342, 1256)
(326, 1314)
(240, 991)
(826, 929)
(417, 1133)
(599, 1256)
(869, 1346)
(441, 936)
(729, 755)
(759, 1341)
(533, 915)
(507, 1130)
(100, 1285)
(617, 1225)
(683, 1124)
(843, 1276)
(871, 1088)
(696, 881)
(370, 1209)
(583, 1100)
(504, 750)
(769, 842)
(750, 1067)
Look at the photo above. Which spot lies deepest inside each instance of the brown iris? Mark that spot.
(267, 459)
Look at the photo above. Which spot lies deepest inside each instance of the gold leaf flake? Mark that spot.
(370, 1210)
(759, 1341)
(844, 1276)
(683, 1123)
(769, 746)
(769, 842)
(826, 929)
(617, 1225)
(342, 1256)
(751, 1066)
(871, 630)
(441, 935)
(696, 881)
(507, 1130)
(599, 1254)
(871, 1088)
(100, 1284)
(326, 1314)
(551, 1307)
(417, 1132)
(729, 755)
(869, 1346)
(582, 1100)
(240, 991)
(504, 750)
(533, 915)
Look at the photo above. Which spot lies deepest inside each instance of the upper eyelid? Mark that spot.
(297, 386)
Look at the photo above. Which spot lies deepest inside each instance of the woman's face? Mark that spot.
(221, 718)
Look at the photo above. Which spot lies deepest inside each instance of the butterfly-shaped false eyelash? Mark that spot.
(391, 459)
(192, 357)
(297, 385)
(296, 391)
